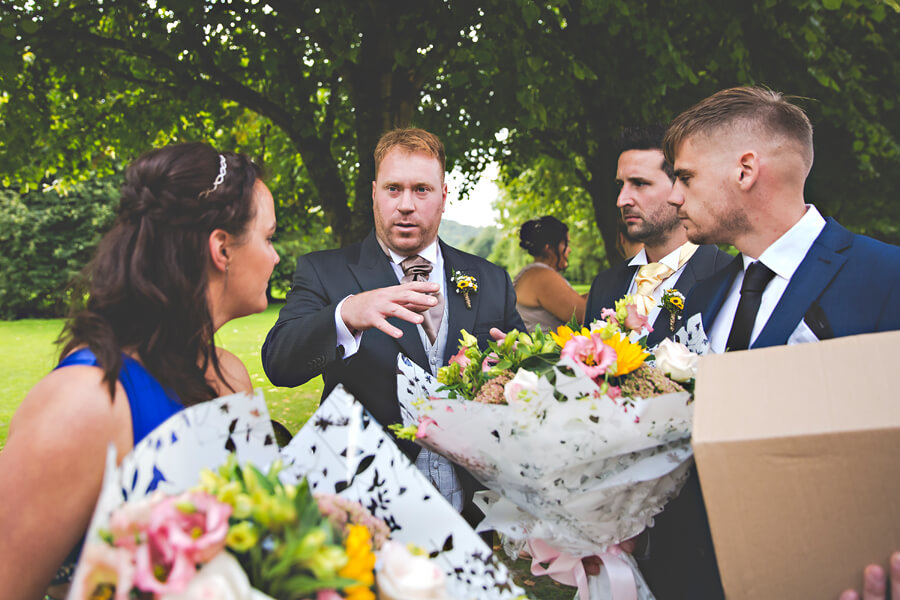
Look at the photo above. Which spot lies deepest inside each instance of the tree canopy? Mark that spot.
(308, 87)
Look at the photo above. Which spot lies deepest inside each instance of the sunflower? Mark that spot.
(629, 355)
(564, 333)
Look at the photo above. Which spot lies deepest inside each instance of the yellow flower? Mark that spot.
(629, 355)
(241, 537)
(677, 303)
(564, 333)
(360, 564)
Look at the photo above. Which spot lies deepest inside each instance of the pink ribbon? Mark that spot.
(569, 570)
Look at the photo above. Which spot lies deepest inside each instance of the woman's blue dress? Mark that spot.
(150, 403)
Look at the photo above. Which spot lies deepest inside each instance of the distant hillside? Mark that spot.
(477, 240)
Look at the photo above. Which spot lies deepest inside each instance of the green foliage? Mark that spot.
(475, 240)
(46, 238)
(550, 187)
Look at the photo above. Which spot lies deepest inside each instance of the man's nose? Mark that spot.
(407, 202)
(676, 198)
(624, 198)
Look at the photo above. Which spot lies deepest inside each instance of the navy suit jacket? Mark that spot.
(613, 283)
(847, 284)
(303, 342)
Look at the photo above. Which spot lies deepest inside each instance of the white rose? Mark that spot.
(675, 360)
(404, 576)
(222, 578)
(521, 388)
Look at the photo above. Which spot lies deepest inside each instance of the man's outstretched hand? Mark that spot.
(372, 309)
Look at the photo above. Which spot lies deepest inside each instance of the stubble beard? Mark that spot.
(655, 233)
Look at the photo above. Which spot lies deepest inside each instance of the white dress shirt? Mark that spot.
(432, 253)
(671, 261)
(783, 257)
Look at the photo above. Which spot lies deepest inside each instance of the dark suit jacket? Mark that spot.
(850, 284)
(302, 344)
(613, 284)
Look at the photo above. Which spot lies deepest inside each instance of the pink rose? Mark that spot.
(424, 422)
(613, 392)
(178, 570)
(635, 321)
(608, 315)
(103, 564)
(489, 361)
(194, 522)
(591, 354)
(182, 531)
(460, 358)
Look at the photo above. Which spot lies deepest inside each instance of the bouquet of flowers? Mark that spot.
(236, 534)
(580, 437)
(207, 506)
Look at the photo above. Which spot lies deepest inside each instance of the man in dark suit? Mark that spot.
(667, 260)
(741, 159)
(351, 311)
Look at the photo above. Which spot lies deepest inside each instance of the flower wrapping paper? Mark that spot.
(340, 450)
(343, 450)
(581, 474)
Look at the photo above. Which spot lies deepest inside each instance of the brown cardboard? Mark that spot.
(798, 451)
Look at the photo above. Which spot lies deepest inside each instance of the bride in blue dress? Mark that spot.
(190, 250)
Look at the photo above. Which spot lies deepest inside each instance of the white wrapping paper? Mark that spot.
(580, 474)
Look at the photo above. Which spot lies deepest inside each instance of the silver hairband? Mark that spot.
(223, 168)
(221, 176)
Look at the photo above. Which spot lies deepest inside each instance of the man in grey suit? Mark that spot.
(667, 260)
(351, 311)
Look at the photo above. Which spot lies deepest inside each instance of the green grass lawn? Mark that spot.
(28, 352)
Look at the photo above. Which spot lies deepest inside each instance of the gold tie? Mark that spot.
(649, 277)
(417, 268)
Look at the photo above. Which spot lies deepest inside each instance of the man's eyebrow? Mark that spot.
(680, 172)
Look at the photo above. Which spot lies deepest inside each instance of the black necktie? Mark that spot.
(756, 279)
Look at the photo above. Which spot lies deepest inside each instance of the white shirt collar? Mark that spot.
(786, 253)
(430, 253)
(670, 259)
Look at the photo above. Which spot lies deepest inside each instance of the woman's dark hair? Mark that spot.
(535, 235)
(145, 289)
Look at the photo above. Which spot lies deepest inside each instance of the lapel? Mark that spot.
(822, 263)
(709, 295)
(458, 314)
(685, 283)
(372, 271)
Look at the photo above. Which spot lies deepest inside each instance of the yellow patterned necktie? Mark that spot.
(649, 277)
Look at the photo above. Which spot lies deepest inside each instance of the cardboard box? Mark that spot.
(798, 451)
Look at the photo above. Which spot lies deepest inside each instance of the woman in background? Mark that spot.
(543, 296)
(191, 249)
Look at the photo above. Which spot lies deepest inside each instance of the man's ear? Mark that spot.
(748, 171)
(218, 248)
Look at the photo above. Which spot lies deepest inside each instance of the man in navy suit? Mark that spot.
(351, 311)
(667, 259)
(741, 159)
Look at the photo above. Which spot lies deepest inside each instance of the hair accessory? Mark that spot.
(223, 168)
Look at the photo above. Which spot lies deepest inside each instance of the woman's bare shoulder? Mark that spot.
(236, 377)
